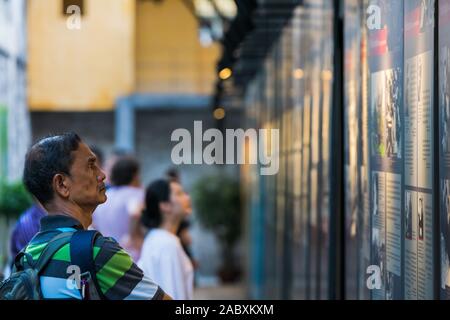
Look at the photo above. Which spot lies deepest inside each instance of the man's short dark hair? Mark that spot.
(124, 171)
(48, 157)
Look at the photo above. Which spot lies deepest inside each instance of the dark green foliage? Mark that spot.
(14, 199)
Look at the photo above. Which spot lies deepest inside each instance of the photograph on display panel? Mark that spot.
(386, 140)
(419, 149)
(385, 113)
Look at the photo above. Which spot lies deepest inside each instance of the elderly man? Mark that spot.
(63, 174)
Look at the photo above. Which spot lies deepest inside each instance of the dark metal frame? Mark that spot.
(436, 161)
(337, 185)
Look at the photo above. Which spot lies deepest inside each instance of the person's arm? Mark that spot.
(119, 278)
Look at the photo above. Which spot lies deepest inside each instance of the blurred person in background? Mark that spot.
(162, 256)
(172, 174)
(24, 230)
(183, 232)
(26, 227)
(186, 240)
(116, 155)
(119, 217)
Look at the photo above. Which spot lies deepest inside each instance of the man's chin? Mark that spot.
(103, 199)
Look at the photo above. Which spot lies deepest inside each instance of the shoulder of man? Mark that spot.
(118, 277)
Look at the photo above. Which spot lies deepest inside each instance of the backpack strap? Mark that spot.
(82, 253)
(52, 247)
(19, 265)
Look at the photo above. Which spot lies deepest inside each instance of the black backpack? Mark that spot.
(23, 284)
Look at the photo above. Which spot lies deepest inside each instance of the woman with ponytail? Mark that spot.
(162, 256)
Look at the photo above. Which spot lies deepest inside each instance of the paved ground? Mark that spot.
(221, 292)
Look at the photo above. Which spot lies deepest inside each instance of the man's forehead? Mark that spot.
(84, 151)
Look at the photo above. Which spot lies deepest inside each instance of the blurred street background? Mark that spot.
(358, 92)
(131, 74)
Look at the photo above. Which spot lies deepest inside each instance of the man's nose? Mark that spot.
(101, 176)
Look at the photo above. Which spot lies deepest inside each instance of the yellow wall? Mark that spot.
(169, 57)
(124, 46)
(83, 69)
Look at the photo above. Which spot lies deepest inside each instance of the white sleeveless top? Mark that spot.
(165, 262)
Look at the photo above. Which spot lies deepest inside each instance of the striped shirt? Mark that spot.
(118, 277)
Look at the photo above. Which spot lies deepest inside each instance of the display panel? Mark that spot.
(299, 242)
(325, 121)
(419, 149)
(444, 145)
(389, 138)
(386, 132)
(355, 177)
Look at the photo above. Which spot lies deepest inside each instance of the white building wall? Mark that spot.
(13, 86)
(15, 131)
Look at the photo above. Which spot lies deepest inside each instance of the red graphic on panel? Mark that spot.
(378, 42)
(412, 25)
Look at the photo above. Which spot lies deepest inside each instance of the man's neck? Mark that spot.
(83, 215)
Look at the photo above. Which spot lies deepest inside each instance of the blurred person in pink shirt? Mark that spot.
(119, 217)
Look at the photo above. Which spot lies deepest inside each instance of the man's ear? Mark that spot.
(60, 185)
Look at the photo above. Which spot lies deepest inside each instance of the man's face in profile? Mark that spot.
(87, 187)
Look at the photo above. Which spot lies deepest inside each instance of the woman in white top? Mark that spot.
(162, 257)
